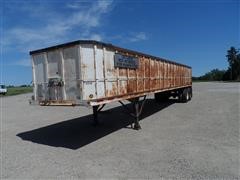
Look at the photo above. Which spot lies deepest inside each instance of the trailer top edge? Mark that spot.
(117, 48)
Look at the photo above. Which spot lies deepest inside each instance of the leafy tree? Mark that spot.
(10, 86)
(233, 58)
(232, 73)
(213, 75)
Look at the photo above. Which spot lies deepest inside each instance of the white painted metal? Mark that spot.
(99, 72)
(34, 78)
(39, 76)
(70, 72)
(86, 70)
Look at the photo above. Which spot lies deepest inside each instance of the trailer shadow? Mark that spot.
(78, 132)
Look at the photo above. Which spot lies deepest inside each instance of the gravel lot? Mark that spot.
(196, 140)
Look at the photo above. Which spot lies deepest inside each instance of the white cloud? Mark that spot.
(74, 6)
(58, 28)
(138, 37)
(80, 22)
(96, 37)
(103, 5)
(130, 37)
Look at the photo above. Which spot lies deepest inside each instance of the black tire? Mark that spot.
(184, 95)
(190, 92)
(180, 96)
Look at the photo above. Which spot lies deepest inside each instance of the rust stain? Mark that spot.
(131, 86)
(165, 76)
(152, 68)
(123, 87)
(83, 65)
(140, 70)
(146, 74)
(147, 84)
(150, 76)
(161, 75)
(171, 74)
(111, 71)
(113, 91)
(140, 87)
(147, 67)
(132, 73)
(122, 72)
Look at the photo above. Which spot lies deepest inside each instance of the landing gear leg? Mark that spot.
(95, 115)
(137, 114)
(137, 110)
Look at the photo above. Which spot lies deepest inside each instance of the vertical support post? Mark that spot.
(164, 76)
(95, 69)
(47, 93)
(64, 94)
(34, 80)
(80, 59)
(104, 71)
(137, 113)
(118, 81)
(95, 115)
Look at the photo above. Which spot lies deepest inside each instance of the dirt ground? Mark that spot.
(196, 140)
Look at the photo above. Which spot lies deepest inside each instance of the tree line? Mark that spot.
(231, 74)
(24, 85)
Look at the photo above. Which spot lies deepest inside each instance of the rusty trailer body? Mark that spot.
(95, 73)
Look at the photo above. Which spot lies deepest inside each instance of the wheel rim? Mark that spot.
(187, 96)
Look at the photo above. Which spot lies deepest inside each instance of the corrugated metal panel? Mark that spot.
(89, 74)
(110, 74)
(99, 57)
(40, 73)
(71, 73)
(54, 63)
(39, 81)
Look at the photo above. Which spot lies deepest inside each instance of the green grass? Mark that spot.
(18, 90)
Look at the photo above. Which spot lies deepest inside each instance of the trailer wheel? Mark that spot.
(187, 95)
(190, 92)
(184, 95)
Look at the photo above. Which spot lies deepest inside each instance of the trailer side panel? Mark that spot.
(97, 73)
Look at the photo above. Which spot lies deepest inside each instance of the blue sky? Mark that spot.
(197, 33)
